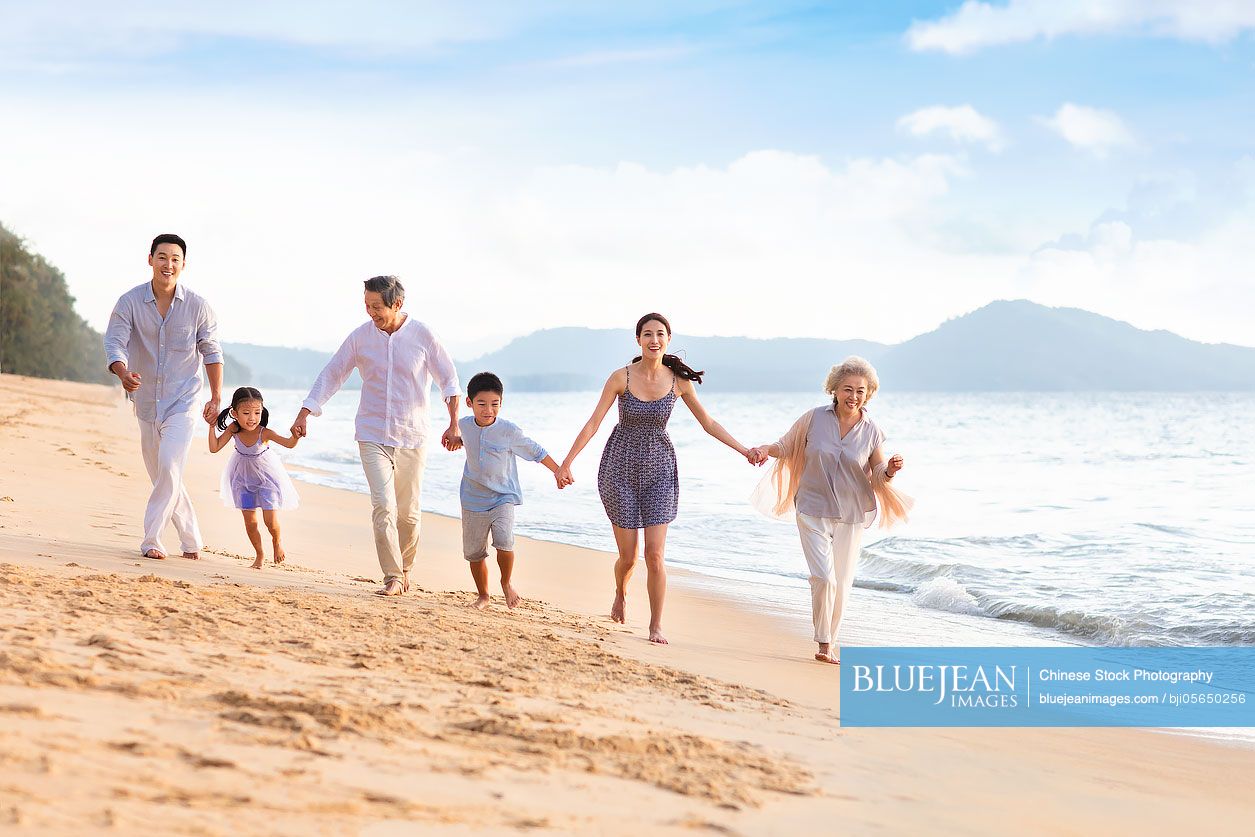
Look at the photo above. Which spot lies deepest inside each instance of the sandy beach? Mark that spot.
(207, 698)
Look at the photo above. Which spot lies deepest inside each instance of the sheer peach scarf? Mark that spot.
(775, 491)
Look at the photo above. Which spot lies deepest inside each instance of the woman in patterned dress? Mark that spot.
(638, 480)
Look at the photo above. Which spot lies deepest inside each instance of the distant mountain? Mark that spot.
(581, 358)
(1005, 346)
(1019, 345)
(279, 367)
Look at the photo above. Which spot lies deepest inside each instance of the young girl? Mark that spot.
(254, 477)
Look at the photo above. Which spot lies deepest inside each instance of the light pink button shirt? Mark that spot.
(397, 370)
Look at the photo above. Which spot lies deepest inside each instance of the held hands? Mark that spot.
(563, 477)
(299, 429)
(758, 455)
(211, 410)
(451, 438)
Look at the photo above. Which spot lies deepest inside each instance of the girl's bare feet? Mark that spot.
(192, 556)
(155, 554)
(618, 610)
(825, 655)
(655, 635)
(256, 565)
(481, 603)
(279, 555)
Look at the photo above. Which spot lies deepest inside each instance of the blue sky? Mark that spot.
(896, 163)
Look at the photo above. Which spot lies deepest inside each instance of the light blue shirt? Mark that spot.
(491, 478)
(167, 353)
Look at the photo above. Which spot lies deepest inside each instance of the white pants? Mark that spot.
(165, 445)
(831, 549)
(395, 478)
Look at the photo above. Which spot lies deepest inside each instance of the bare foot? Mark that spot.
(481, 603)
(192, 556)
(405, 580)
(512, 598)
(618, 610)
(279, 556)
(655, 635)
(391, 588)
(825, 655)
(155, 554)
(257, 562)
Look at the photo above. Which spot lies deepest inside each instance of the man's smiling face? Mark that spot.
(167, 263)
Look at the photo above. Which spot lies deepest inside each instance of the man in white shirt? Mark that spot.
(397, 357)
(159, 334)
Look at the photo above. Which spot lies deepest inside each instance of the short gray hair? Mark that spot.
(388, 287)
(852, 365)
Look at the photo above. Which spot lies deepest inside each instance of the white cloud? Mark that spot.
(962, 124)
(1091, 129)
(979, 24)
(1200, 286)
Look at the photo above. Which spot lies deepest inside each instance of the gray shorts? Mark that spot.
(477, 525)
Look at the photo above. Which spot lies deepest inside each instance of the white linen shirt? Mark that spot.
(397, 370)
(834, 483)
(167, 353)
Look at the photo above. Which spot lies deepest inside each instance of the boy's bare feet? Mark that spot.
(512, 598)
(257, 562)
(192, 556)
(618, 610)
(155, 554)
(481, 602)
(655, 635)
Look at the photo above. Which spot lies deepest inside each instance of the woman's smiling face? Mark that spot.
(851, 392)
(653, 339)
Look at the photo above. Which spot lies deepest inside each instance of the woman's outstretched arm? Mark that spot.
(689, 393)
(615, 385)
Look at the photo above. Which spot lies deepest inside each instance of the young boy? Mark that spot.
(490, 483)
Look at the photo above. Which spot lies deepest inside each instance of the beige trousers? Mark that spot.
(831, 549)
(395, 478)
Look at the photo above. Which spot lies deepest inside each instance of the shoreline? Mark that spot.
(734, 677)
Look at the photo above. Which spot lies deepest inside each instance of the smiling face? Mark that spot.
(247, 414)
(851, 393)
(485, 405)
(653, 339)
(167, 263)
(385, 317)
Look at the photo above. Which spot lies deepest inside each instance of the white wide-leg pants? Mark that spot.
(395, 478)
(165, 445)
(831, 549)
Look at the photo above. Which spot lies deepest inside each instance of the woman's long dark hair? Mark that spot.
(672, 362)
(239, 397)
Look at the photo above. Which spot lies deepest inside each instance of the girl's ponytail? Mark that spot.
(265, 416)
(222, 418)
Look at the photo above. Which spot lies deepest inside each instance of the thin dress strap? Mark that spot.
(673, 383)
(627, 385)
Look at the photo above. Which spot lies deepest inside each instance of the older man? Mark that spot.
(159, 334)
(397, 357)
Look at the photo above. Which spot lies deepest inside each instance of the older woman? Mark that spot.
(831, 473)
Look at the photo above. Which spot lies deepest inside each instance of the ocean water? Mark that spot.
(1041, 518)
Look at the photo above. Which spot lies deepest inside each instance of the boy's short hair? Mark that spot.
(484, 382)
(168, 238)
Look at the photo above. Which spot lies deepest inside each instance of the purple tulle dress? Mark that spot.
(255, 479)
